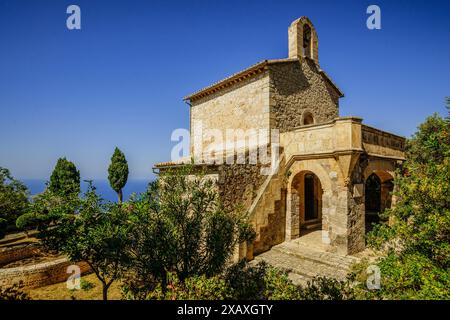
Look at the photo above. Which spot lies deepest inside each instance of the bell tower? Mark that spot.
(303, 41)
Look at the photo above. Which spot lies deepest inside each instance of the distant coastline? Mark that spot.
(36, 186)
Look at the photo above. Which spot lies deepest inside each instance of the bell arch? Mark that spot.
(303, 40)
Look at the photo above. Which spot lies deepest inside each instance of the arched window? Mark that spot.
(308, 118)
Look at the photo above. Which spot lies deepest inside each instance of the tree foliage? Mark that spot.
(46, 210)
(98, 234)
(417, 241)
(13, 200)
(118, 172)
(193, 288)
(181, 227)
(61, 197)
(242, 281)
(259, 282)
(65, 179)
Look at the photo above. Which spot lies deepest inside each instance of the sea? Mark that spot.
(36, 186)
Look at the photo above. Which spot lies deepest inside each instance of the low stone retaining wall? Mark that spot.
(41, 274)
(24, 251)
(13, 237)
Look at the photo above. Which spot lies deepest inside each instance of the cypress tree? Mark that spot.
(118, 172)
(65, 178)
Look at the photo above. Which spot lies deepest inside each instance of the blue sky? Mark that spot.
(119, 81)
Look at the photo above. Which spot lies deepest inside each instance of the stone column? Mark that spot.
(292, 216)
(326, 209)
(386, 195)
(356, 208)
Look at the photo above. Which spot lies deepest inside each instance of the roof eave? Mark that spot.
(339, 91)
(233, 79)
(248, 73)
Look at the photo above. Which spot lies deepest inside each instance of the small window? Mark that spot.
(308, 119)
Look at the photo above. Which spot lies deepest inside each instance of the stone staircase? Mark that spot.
(303, 261)
(268, 211)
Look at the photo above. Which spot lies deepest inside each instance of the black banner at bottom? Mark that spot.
(212, 309)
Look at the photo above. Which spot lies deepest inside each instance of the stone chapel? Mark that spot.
(335, 174)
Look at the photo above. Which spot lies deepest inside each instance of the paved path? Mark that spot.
(305, 258)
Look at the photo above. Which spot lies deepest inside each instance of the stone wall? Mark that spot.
(242, 106)
(239, 184)
(340, 134)
(39, 275)
(274, 231)
(296, 88)
(11, 254)
(378, 142)
(236, 184)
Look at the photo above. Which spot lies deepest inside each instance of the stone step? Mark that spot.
(298, 279)
(271, 194)
(268, 208)
(301, 270)
(310, 226)
(328, 258)
(302, 263)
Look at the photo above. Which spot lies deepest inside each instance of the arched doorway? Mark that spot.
(372, 201)
(307, 192)
(378, 197)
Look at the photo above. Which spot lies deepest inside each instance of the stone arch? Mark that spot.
(297, 31)
(378, 188)
(384, 169)
(312, 166)
(307, 118)
(307, 41)
(308, 189)
(293, 206)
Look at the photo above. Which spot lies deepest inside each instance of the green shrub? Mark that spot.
(416, 243)
(65, 178)
(13, 200)
(86, 285)
(260, 282)
(193, 288)
(279, 287)
(13, 292)
(322, 288)
(246, 282)
(413, 276)
(181, 226)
